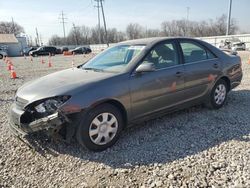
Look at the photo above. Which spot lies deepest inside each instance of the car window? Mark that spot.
(163, 55)
(114, 59)
(193, 52)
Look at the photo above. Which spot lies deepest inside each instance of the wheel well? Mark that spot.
(118, 105)
(226, 79)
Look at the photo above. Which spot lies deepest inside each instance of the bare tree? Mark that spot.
(56, 40)
(11, 28)
(152, 33)
(134, 31)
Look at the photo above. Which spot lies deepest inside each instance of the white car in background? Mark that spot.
(234, 44)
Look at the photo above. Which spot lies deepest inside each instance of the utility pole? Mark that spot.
(104, 22)
(62, 18)
(99, 24)
(13, 26)
(188, 9)
(229, 17)
(41, 40)
(76, 38)
(187, 20)
(37, 38)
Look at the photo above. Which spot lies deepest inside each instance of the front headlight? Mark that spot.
(50, 105)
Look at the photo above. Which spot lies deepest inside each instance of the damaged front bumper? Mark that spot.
(51, 122)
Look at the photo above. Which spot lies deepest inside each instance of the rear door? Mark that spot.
(201, 66)
(162, 88)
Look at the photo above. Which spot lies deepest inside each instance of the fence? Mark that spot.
(216, 40)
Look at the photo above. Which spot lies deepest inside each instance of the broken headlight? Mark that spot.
(50, 106)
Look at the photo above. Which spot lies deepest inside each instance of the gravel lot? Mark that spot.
(195, 147)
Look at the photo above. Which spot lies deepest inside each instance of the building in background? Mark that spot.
(13, 45)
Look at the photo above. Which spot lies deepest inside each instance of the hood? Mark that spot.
(64, 82)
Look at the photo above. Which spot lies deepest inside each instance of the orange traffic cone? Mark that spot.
(72, 64)
(31, 59)
(13, 73)
(42, 60)
(73, 61)
(9, 64)
(6, 59)
(50, 63)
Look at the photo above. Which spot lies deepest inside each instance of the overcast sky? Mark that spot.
(150, 13)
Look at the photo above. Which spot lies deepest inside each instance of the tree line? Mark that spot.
(82, 35)
(85, 35)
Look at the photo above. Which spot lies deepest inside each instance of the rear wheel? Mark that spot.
(100, 128)
(1, 56)
(218, 95)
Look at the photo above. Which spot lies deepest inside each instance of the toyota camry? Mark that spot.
(125, 85)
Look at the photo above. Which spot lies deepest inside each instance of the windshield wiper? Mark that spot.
(94, 69)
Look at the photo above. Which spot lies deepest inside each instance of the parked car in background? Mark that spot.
(81, 50)
(3, 52)
(44, 50)
(234, 44)
(26, 51)
(64, 49)
(237, 46)
(124, 85)
(58, 51)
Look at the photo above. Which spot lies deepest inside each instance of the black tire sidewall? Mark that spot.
(82, 133)
(212, 100)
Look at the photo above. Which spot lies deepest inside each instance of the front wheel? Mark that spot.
(218, 95)
(100, 127)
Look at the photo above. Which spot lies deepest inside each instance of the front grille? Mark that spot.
(20, 103)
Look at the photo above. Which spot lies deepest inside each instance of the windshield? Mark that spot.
(114, 59)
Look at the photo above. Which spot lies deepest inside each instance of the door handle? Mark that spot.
(178, 74)
(216, 65)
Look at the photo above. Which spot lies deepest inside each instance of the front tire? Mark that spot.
(100, 128)
(218, 95)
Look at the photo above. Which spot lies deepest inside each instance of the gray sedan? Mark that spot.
(125, 85)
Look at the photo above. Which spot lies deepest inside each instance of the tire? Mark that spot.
(96, 134)
(1, 56)
(216, 101)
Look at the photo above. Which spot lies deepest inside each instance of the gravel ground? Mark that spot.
(195, 147)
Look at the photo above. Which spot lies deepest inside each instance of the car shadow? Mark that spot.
(166, 139)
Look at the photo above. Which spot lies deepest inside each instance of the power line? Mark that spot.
(62, 18)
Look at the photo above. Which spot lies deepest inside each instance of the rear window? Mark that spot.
(194, 52)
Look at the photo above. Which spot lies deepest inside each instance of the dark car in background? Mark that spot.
(125, 85)
(26, 51)
(3, 52)
(64, 49)
(44, 50)
(81, 50)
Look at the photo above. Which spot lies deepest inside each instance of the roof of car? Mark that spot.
(147, 41)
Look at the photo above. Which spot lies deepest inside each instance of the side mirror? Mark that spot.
(145, 67)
